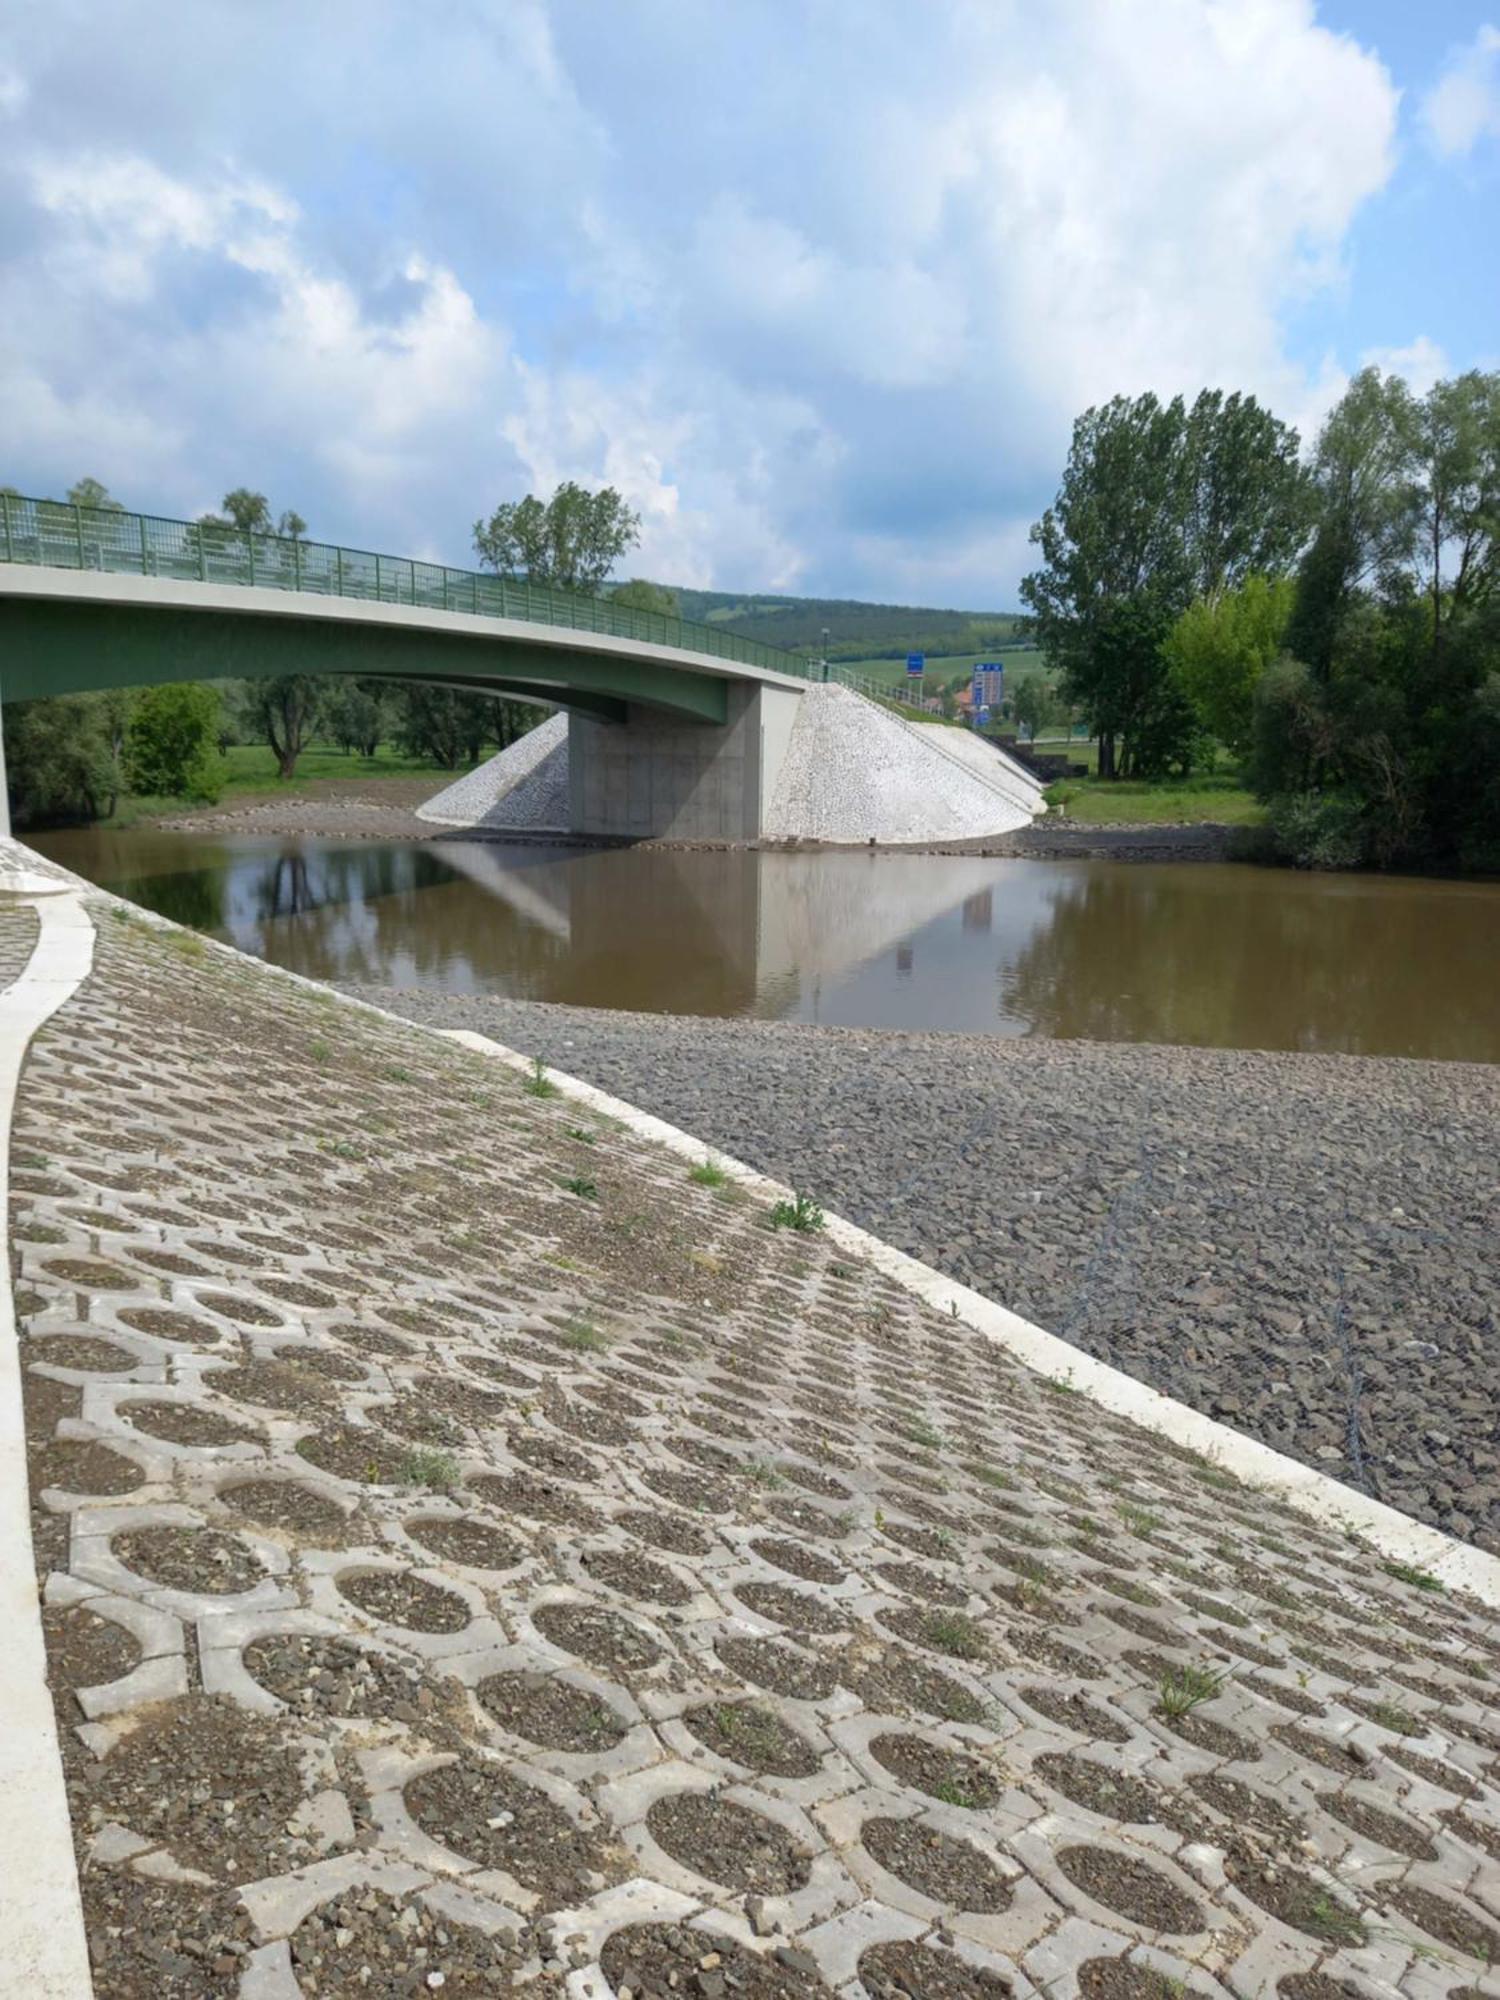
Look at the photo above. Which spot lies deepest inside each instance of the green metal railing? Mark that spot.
(58, 535)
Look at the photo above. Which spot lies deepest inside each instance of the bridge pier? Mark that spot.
(655, 776)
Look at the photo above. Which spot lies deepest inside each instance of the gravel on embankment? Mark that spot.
(1303, 1246)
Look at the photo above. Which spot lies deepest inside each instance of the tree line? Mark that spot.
(1332, 621)
(72, 757)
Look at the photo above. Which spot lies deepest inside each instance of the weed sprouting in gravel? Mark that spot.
(1140, 1520)
(1400, 1721)
(425, 1466)
(923, 1433)
(581, 1185)
(954, 1794)
(749, 1729)
(763, 1473)
(342, 1149)
(1419, 1579)
(801, 1213)
(679, 1342)
(991, 1475)
(706, 1174)
(583, 1338)
(1325, 1916)
(952, 1632)
(1179, 1692)
(583, 1136)
(539, 1084)
(320, 1051)
(1210, 1475)
(399, 1073)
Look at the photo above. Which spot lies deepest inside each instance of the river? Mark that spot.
(1199, 954)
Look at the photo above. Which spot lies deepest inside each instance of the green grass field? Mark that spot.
(252, 774)
(1180, 802)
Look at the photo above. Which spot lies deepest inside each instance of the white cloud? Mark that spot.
(1463, 106)
(820, 284)
(1419, 364)
(119, 215)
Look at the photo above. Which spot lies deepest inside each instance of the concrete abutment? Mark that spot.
(656, 777)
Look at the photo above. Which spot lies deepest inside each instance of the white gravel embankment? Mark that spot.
(852, 772)
(526, 786)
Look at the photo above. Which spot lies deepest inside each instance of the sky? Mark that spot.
(819, 285)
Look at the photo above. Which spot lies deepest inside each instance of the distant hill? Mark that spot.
(856, 631)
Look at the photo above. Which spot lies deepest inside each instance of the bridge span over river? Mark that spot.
(675, 729)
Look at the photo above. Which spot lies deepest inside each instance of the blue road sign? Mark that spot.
(916, 663)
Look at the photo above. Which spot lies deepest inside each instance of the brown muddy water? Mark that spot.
(1217, 956)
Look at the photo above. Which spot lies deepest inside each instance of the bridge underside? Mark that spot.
(656, 749)
(52, 646)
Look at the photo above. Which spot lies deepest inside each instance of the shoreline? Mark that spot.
(385, 809)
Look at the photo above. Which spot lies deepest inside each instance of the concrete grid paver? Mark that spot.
(224, 1169)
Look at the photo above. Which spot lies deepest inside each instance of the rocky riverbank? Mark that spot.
(1303, 1246)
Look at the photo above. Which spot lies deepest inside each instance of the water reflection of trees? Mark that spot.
(1242, 958)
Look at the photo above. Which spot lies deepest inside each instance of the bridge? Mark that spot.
(675, 728)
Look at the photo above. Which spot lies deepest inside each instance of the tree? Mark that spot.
(1246, 499)
(1156, 504)
(93, 493)
(357, 713)
(1219, 648)
(62, 757)
(638, 595)
(1034, 705)
(1358, 471)
(285, 712)
(247, 511)
(171, 742)
(572, 541)
(1452, 492)
(1112, 542)
(1375, 742)
(250, 512)
(450, 725)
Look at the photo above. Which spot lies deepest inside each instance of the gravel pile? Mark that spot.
(855, 772)
(1302, 1246)
(526, 785)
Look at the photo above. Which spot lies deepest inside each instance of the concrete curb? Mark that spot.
(1394, 1534)
(45, 1949)
(1399, 1538)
